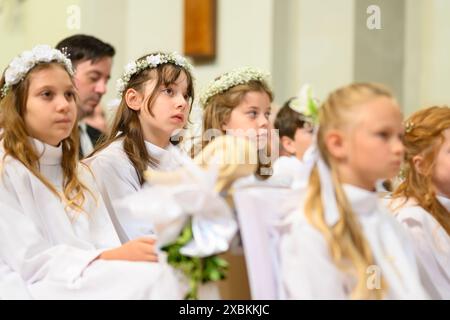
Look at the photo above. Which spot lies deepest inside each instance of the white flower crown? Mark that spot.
(27, 60)
(151, 61)
(306, 103)
(232, 79)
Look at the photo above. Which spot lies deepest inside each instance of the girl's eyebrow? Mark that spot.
(45, 87)
(50, 87)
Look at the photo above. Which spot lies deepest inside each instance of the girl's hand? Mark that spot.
(141, 249)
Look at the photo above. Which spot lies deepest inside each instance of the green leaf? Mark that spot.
(197, 270)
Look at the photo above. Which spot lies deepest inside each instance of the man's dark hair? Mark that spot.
(288, 121)
(82, 47)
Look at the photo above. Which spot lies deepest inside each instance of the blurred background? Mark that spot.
(326, 43)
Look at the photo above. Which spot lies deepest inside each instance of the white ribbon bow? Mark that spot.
(169, 208)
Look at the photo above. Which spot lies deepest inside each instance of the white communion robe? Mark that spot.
(12, 286)
(308, 271)
(117, 178)
(55, 250)
(431, 243)
(286, 170)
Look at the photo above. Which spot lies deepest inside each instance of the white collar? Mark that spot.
(444, 201)
(48, 155)
(156, 151)
(362, 201)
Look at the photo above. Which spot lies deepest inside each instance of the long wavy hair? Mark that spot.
(126, 124)
(424, 137)
(349, 248)
(218, 111)
(16, 142)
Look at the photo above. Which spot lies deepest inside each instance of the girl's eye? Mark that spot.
(267, 115)
(252, 114)
(187, 97)
(70, 95)
(383, 134)
(168, 91)
(47, 94)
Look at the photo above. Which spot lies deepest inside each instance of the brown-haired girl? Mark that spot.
(157, 91)
(238, 103)
(55, 231)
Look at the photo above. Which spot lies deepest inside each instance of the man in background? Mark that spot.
(92, 62)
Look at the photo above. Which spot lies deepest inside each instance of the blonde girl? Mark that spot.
(342, 243)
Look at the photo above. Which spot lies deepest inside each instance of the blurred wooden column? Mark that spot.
(200, 29)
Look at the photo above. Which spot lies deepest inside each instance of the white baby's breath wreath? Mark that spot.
(22, 64)
(151, 61)
(232, 79)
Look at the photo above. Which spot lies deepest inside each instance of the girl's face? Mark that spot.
(170, 110)
(372, 148)
(51, 111)
(441, 172)
(251, 117)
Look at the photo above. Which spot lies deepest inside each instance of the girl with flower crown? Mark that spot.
(263, 205)
(156, 95)
(421, 202)
(55, 231)
(341, 242)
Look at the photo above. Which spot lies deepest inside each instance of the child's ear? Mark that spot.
(224, 126)
(335, 142)
(288, 144)
(418, 162)
(133, 99)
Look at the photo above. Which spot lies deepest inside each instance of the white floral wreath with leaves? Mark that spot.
(27, 60)
(306, 104)
(232, 79)
(151, 61)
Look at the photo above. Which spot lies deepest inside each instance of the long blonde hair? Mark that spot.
(16, 142)
(218, 111)
(126, 122)
(424, 136)
(348, 247)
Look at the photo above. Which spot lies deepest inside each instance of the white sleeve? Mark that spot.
(434, 263)
(116, 181)
(306, 266)
(12, 286)
(26, 251)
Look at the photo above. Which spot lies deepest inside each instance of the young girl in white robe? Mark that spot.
(422, 201)
(263, 205)
(55, 231)
(12, 286)
(341, 242)
(157, 92)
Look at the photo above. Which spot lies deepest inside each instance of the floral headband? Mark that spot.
(151, 61)
(27, 60)
(232, 79)
(306, 104)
